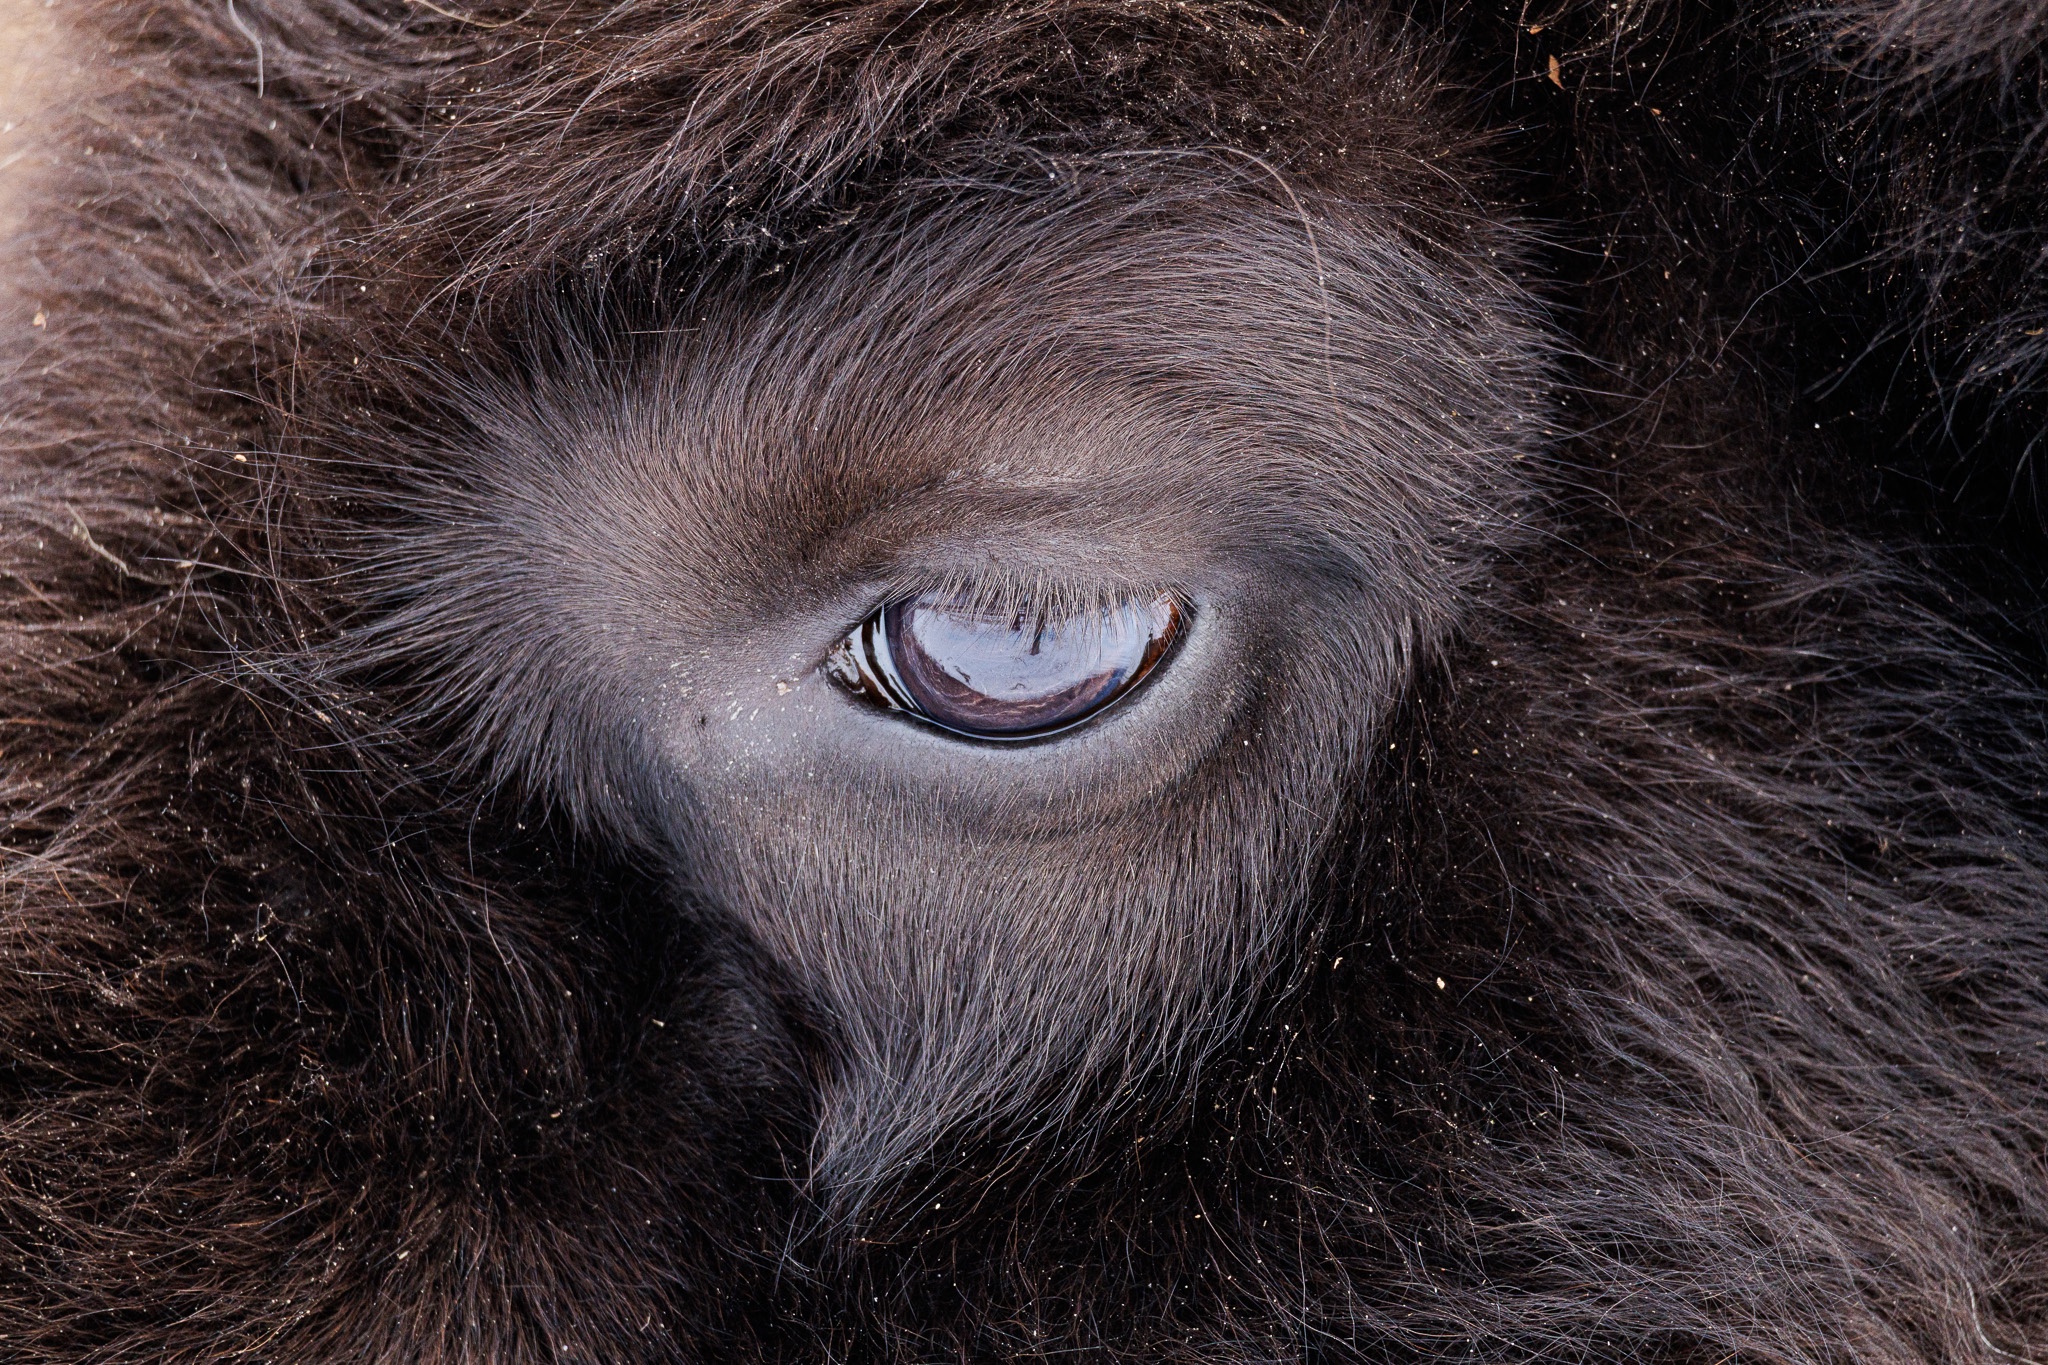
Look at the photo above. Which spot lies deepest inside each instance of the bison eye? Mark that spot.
(1001, 673)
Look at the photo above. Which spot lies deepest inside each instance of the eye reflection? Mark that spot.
(1004, 674)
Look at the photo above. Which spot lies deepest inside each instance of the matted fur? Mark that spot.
(1597, 914)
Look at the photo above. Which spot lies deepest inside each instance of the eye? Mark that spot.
(998, 674)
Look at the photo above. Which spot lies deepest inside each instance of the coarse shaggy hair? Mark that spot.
(1621, 936)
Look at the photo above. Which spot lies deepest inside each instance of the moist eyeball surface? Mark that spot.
(1008, 673)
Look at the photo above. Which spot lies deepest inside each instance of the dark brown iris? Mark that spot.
(1004, 674)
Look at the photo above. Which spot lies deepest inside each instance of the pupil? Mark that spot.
(1010, 674)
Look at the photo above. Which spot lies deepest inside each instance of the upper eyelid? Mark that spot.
(996, 590)
(1008, 596)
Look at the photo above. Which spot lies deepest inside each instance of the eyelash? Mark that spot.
(857, 663)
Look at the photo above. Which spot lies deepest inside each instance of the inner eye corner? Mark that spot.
(1004, 672)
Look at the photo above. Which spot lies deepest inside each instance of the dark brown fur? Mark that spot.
(1578, 896)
